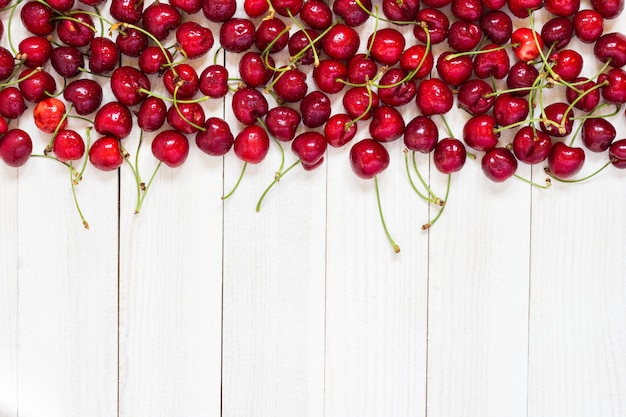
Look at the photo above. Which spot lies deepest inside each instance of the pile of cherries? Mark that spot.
(309, 74)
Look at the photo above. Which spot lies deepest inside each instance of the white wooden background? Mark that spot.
(514, 304)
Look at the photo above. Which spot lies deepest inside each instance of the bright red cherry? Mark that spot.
(526, 44)
(105, 154)
(170, 147)
(252, 144)
(499, 164)
(368, 158)
(16, 147)
(449, 155)
(434, 97)
(531, 146)
(565, 161)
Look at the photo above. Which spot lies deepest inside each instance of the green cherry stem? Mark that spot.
(75, 20)
(395, 247)
(280, 147)
(243, 170)
(9, 30)
(145, 190)
(73, 184)
(79, 175)
(534, 184)
(57, 128)
(408, 174)
(182, 116)
(440, 212)
(445, 123)
(277, 178)
(593, 174)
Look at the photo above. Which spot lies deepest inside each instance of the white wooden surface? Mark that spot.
(514, 304)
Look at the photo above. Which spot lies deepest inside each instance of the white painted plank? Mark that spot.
(478, 298)
(170, 282)
(8, 291)
(274, 267)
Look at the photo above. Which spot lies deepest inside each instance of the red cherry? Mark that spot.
(387, 124)
(617, 153)
(216, 139)
(170, 147)
(359, 102)
(361, 68)
(475, 96)
(282, 122)
(103, 55)
(521, 77)
(213, 81)
(126, 82)
(300, 49)
(329, 74)
(248, 105)
(351, 12)
(392, 91)
(290, 85)
(316, 14)
(105, 154)
(454, 70)
(588, 25)
(151, 114)
(152, 60)
(309, 146)
(341, 42)
(131, 42)
(597, 134)
(339, 130)
(565, 161)
(531, 146)
(194, 39)
(509, 109)
(12, 104)
(129, 11)
(417, 59)
(16, 146)
(34, 51)
(187, 6)
(182, 81)
(78, 31)
(611, 48)
(587, 97)
(521, 8)
(185, 117)
(404, 11)
(36, 85)
(7, 64)
(609, 9)
(525, 47)
(49, 115)
(255, 8)
(37, 18)
(315, 109)
(68, 145)
(160, 18)
(564, 8)
(368, 158)
(386, 46)
(491, 64)
(557, 32)
(437, 26)
(614, 90)
(219, 11)
(84, 94)
(556, 124)
(287, 7)
(254, 70)
(497, 25)
(469, 10)
(237, 35)
(421, 134)
(252, 144)
(67, 61)
(499, 164)
(272, 34)
(113, 119)
(449, 155)
(568, 64)
(434, 97)
(464, 36)
(479, 134)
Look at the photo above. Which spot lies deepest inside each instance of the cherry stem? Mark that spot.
(182, 116)
(57, 128)
(433, 198)
(365, 112)
(280, 147)
(10, 38)
(395, 247)
(408, 174)
(75, 20)
(593, 174)
(445, 122)
(440, 212)
(73, 184)
(147, 187)
(316, 59)
(24, 78)
(534, 184)
(277, 178)
(478, 52)
(79, 175)
(376, 20)
(243, 170)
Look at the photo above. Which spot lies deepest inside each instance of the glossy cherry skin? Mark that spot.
(479, 134)
(309, 146)
(248, 105)
(421, 134)
(531, 146)
(300, 49)
(61, 5)
(587, 97)
(290, 85)
(449, 155)
(105, 153)
(68, 145)
(7, 64)
(565, 161)
(392, 91)
(181, 81)
(271, 34)
(129, 11)
(213, 81)
(386, 46)
(186, 118)
(475, 96)
(48, 115)
(351, 13)
(561, 120)
(468, 10)
(113, 119)
(564, 8)
(614, 90)
(521, 77)
(254, 71)
(103, 55)
(255, 8)
(160, 18)
(359, 102)
(417, 60)
(78, 32)
(151, 114)
(497, 26)
(527, 44)
(339, 130)
(617, 153)
(216, 139)
(520, 8)
(611, 47)
(282, 122)
(37, 18)
(219, 11)
(454, 70)
(152, 60)
(316, 14)
(597, 134)
(126, 82)
(67, 61)
(36, 85)
(436, 25)
(34, 51)
(84, 94)
(315, 109)
(341, 42)
(387, 124)
(557, 32)
(588, 25)
(509, 109)
(464, 36)
(568, 64)
(498, 164)
(16, 147)
(287, 7)
(194, 39)
(187, 6)
(494, 63)
(12, 104)
(608, 9)
(434, 97)
(401, 11)
(368, 158)
(328, 75)
(170, 147)
(252, 144)
(361, 68)
(237, 35)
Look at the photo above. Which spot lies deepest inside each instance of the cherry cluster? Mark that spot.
(305, 77)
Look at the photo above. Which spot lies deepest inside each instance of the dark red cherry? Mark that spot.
(329, 74)
(152, 60)
(194, 39)
(315, 109)
(387, 124)
(351, 12)
(309, 146)
(497, 26)
(557, 32)
(237, 35)
(170, 147)
(565, 161)
(113, 119)
(531, 145)
(386, 46)
(339, 130)
(479, 133)
(421, 134)
(77, 31)
(16, 147)
(151, 114)
(129, 11)
(84, 94)
(341, 42)
(614, 81)
(186, 118)
(509, 109)
(103, 55)
(468, 10)
(68, 145)
(282, 122)
(361, 68)
(521, 8)
(187, 6)
(449, 155)
(127, 83)
(36, 85)
(559, 120)
(498, 164)
(105, 153)
(454, 70)
(252, 144)
(290, 85)
(213, 81)
(564, 8)
(248, 105)
(7, 64)
(160, 18)
(37, 18)
(585, 96)
(368, 158)
(300, 49)
(12, 104)
(475, 96)
(316, 14)
(401, 11)
(437, 26)
(131, 42)
(394, 89)
(617, 153)
(219, 11)
(567, 64)
(521, 77)
(611, 48)
(181, 81)
(588, 25)
(434, 97)
(359, 102)
(608, 9)
(61, 5)
(597, 134)
(254, 70)
(494, 63)
(216, 139)
(464, 36)
(437, 4)
(34, 51)
(272, 34)
(287, 7)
